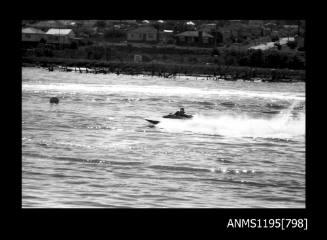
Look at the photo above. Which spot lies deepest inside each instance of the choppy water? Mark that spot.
(245, 146)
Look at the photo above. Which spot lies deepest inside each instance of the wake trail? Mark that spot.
(283, 126)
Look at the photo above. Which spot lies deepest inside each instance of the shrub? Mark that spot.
(278, 45)
(256, 58)
(73, 45)
(100, 24)
(146, 58)
(230, 60)
(301, 49)
(48, 53)
(110, 34)
(292, 44)
(274, 38)
(273, 60)
(192, 59)
(214, 52)
(297, 63)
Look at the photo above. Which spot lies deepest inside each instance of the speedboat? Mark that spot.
(173, 116)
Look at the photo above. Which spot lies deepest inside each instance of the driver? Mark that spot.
(180, 113)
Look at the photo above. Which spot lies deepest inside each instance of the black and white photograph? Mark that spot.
(163, 113)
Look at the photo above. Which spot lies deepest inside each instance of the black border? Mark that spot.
(184, 220)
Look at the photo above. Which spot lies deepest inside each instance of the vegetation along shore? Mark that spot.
(226, 72)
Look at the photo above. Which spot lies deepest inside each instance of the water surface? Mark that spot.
(244, 148)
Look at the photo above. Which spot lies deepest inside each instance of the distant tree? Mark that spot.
(278, 45)
(180, 27)
(232, 38)
(256, 58)
(110, 34)
(246, 42)
(273, 59)
(192, 59)
(218, 36)
(301, 49)
(230, 60)
(292, 44)
(233, 53)
(274, 38)
(146, 58)
(85, 31)
(222, 23)
(98, 53)
(100, 24)
(48, 53)
(297, 63)
(244, 60)
(156, 25)
(43, 41)
(73, 45)
(215, 52)
(89, 54)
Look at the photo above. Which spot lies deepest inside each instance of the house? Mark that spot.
(143, 34)
(199, 38)
(60, 36)
(32, 35)
(166, 36)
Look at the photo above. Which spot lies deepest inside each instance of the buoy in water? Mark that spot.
(54, 100)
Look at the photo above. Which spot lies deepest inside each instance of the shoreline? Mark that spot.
(167, 70)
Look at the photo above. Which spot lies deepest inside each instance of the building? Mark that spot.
(32, 35)
(60, 36)
(194, 38)
(143, 34)
(166, 36)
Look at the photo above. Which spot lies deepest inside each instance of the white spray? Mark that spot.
(282, 126)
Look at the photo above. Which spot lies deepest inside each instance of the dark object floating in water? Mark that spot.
(152, 121)
(54, 100)
(275, 106)
(271, 112)
(228, 104)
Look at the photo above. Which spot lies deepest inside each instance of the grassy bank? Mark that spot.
(171, 69)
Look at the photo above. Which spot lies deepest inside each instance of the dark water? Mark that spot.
(245, 146)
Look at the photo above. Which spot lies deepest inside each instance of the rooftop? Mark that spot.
(58, 31)
(32, 30)
(49, 24)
